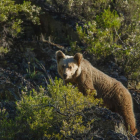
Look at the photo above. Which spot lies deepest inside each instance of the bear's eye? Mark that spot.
(70, 67)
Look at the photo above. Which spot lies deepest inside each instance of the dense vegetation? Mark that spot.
(111, 27)
(111, 30)
(13, 20)
(55, 113)
(108, 30)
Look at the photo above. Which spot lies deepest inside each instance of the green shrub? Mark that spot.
(13, 17)
(55, 113)
(98, 35)
(105, 36)
(111, 29)
(82, 9)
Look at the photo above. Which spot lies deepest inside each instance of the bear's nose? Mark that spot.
(65, 75)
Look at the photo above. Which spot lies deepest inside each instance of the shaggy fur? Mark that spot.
(80, 72)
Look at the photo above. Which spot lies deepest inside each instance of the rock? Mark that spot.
(10, 85)
(123, 79)
(136, 100)
(106, 126)
(114, 74)
(108, 121)
(112, 135)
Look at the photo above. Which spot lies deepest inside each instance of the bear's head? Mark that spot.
(68, 66)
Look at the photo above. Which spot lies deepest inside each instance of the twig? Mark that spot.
(121, 40)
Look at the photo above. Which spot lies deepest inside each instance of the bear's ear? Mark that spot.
(78, 57)
(59, 55)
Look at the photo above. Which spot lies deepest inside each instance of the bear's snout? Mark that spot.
(64, 75)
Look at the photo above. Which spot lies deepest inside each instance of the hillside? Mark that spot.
(34, 103)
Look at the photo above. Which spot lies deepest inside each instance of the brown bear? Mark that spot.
(78, 71)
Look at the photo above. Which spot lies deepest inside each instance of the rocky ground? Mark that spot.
(30, 68)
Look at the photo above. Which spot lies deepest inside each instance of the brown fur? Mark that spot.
(116, 97)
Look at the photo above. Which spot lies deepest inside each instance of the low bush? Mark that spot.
(14, 18)
(53, 114)
(109, 35)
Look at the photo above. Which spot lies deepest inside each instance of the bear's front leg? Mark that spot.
(85, 84)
